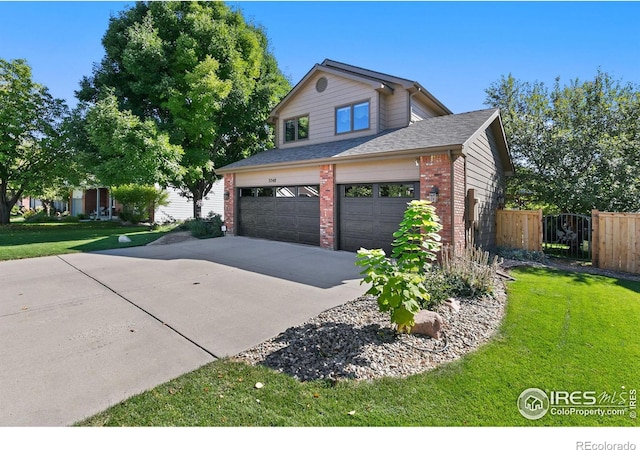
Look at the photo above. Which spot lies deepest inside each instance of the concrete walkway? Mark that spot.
(82, 332)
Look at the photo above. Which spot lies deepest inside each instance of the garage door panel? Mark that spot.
(308, 208)
(286, 206)
(309, 238)
(287, 222)
(309, 224)
(281, 218)
(356, 227)
(370, 221)
(358, 207)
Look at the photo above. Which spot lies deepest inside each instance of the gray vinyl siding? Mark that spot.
(420, 111)
(397, 109)
(382, 121)
(485, 175)
(320, 106)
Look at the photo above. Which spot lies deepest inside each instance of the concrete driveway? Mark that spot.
(82, 332)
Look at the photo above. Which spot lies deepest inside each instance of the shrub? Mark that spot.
(205, 228)
(38, 216)
(521, 255)
(70, 219)
(399, 283)
(470, 271)
(138, 201)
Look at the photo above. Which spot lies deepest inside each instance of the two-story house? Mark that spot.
(353, 147)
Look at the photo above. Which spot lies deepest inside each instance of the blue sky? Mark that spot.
(454, 49)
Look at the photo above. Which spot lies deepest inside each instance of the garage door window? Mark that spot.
(358, 190)
(265, 192)
(247, 192)
(286, 191)
(309, 191)
(397, 190)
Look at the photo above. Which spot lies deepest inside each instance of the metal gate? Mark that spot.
(567, 235)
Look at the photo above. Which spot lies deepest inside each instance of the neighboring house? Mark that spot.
(95, 203)
(353, 147)
(181, 208)
(86, 201)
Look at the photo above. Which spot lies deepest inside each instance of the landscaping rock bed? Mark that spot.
(357, 341)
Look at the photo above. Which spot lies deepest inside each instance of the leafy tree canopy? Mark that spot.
(32, 151)
(129, 150)
(200, 73)
(576, 147)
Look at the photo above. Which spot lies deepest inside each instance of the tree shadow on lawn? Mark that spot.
(138, 238)
(44, 233)
(582, 277)
(336, 352)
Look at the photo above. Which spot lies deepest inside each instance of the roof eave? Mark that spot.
(394, 154)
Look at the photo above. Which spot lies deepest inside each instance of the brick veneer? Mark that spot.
(327, 206)
(230, 203)
(437, 170)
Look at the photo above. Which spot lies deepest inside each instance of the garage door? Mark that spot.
(288, 213)
(371, 213)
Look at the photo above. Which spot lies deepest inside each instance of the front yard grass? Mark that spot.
(562, 331)
(22, 240)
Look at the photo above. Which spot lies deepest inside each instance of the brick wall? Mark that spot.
(327, 206)
(438, 170)
(230, 203)
(459, 196)
(435, 170)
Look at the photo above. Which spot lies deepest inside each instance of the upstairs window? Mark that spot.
(352, 117)
(296, 128)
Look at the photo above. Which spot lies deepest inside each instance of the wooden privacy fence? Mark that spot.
(519, 229)
(616, 241)
(615, 238)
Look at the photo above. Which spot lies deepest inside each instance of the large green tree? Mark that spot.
(32, 151)
(576, 147)
(201, 73)
(124, 149)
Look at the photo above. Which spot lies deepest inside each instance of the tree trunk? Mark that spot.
(7, 202)
(5, 212)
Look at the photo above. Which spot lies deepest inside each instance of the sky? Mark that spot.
(453, 49)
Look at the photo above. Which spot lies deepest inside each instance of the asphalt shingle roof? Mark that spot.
(449, 130)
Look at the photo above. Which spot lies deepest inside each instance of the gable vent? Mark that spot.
(321, 84)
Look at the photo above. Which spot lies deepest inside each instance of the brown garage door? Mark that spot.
(286, 213)
(371, 213)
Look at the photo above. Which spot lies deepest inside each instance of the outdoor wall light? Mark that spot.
(433, 195)
(226, 195)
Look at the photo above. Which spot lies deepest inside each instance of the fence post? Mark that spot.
(540, 231)
(595, 238)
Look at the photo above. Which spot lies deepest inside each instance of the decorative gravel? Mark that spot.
(356, 341)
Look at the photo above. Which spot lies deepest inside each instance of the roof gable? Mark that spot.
(377, 80)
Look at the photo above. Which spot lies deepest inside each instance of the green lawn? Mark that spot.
(22, 240)
(562, 332)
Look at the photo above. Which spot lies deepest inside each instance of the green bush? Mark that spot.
(399, 283)
(138, 201)
(471, 272)
(38, 216)
(70, 219)
(205, 228)
(521, 255)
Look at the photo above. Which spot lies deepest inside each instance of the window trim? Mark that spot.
(351, 117)
(296, 122)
